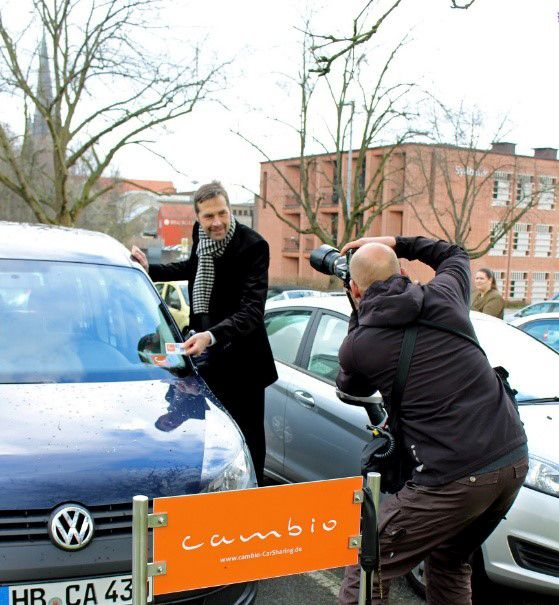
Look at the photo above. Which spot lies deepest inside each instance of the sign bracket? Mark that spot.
(157, 569)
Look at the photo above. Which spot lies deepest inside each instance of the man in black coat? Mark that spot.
(227, 275)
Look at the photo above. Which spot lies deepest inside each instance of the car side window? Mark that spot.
(545, 330)
(159, 287)
(285, 331)
(533, 310)
(172, 298)
(323, 360)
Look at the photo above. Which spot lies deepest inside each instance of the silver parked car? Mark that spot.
(311, 435)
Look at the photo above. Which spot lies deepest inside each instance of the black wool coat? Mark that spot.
(242, 353)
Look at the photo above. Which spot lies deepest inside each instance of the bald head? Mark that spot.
(373, 262)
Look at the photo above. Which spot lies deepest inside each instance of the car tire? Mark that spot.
(482, 587)
(416, 579)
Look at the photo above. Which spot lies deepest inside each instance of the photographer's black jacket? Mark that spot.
(236, 310)
(455, 415)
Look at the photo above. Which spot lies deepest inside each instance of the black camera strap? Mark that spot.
(401, 377)
(448, 330)
(370, 549)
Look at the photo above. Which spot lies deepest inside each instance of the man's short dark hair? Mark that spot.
(207, 192)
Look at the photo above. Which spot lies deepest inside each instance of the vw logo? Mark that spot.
(71, 527)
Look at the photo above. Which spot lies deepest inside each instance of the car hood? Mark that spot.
(541, 423)
(101, 443)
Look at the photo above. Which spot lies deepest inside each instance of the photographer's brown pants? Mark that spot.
(442, 526)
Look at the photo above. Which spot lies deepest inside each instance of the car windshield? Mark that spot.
(533, 367)
(75, 322)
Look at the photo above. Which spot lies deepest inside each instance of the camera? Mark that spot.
(328, 260)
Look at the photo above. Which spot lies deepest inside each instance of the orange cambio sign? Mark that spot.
(238, 536)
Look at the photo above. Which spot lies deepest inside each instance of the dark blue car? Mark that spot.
(93, 411)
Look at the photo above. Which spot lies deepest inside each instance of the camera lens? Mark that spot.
(323, 259)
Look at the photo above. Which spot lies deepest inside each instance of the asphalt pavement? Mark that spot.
(321, 588)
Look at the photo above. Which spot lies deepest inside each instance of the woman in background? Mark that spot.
(486, 298)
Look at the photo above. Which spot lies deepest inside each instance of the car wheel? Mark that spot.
(481, 585)
(416, 579)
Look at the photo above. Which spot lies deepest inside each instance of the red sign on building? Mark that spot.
(175, 222)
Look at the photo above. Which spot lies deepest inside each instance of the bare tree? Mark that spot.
(107, 93)
(330, 47)
(454, 177)
(462, 5)
(12, 207)
(376, 110)
(125, 215)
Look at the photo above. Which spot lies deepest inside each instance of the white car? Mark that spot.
(311, 435)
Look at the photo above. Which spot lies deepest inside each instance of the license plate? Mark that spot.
(115, 590)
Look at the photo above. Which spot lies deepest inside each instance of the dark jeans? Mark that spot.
(245, 403)
(442, 525)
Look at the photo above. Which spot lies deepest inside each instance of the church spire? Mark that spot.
(44, 92)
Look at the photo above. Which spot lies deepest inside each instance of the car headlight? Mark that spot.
(239, 474)
(543, 476)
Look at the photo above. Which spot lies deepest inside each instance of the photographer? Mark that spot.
(457, 424)
(227, 274)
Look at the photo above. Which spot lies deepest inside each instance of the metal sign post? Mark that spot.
(141, 569)
(139, 550)
(373, 482)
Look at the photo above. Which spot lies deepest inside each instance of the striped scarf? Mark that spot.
(207, 250)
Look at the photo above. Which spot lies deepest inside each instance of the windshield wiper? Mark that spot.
(540, 400)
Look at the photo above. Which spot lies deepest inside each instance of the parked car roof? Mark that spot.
(333, 303)
(49, 242)
(518, 321)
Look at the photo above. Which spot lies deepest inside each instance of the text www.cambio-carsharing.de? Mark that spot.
(264, 553)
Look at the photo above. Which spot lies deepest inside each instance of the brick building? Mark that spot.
(427, 190)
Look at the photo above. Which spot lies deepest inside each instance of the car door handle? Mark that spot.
(305, 398)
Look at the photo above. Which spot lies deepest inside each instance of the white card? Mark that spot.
(174, 348)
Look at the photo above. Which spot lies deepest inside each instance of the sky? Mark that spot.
(499, 55)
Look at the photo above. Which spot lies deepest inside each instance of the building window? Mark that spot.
(500, 246)
(542, 245)
(524, 190)
(555, 284)
(540, 285)
(518, 285)
(546, 199)
(521, 240)
(501, 189)
(499, 280)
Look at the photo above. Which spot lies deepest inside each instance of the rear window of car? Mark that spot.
(76, 322)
